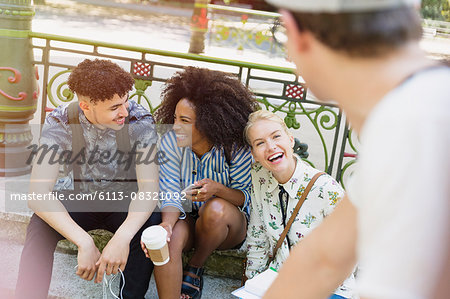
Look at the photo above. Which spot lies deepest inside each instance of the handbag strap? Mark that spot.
(294, 214)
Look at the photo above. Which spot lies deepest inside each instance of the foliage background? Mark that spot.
(436, 10)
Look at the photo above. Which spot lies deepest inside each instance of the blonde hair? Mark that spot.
(263, 115)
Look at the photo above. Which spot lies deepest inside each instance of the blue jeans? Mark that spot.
(334, 296)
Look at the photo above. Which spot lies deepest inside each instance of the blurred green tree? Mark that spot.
(436, 10)
(446, 10)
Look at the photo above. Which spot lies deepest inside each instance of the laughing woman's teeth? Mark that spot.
(275, 157)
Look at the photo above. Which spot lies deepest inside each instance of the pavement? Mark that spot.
(66, 284)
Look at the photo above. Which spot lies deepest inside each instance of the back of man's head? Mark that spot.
(100, 80)
(360, 28)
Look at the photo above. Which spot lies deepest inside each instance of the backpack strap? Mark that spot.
(123, 137)
(124, 145)
(78, 142)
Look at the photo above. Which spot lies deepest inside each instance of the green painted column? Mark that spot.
(18, 87)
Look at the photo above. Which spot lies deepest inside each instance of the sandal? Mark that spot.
(192, 282)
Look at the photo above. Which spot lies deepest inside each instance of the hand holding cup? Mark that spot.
(154, 244)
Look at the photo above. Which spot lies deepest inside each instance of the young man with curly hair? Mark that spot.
(365, 56)
(209, 110)
(101, 114)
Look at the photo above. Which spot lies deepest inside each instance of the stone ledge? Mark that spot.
(226, 263)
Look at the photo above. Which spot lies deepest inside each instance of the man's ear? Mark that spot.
(300, 39)
(84, 105)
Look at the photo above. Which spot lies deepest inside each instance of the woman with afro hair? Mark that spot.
(208, 163)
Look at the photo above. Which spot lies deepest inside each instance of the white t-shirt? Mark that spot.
(401, 189)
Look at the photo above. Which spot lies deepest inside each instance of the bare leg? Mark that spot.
(168, 277)
(221, 225)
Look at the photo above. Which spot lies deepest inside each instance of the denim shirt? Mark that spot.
(98, 173)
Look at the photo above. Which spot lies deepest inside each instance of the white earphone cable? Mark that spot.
(105, 284)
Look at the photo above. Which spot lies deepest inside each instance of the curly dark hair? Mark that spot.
(100, 80)
(221, 102)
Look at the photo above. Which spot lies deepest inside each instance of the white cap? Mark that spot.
(340, 6)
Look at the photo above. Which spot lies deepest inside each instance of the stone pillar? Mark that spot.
(18, 87)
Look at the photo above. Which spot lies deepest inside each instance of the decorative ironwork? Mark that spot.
(301, 149)
(142, 69)
(289, 98)
(350, 158)
(296, 91)
(141, 86)
(16, 79)
(66, 95)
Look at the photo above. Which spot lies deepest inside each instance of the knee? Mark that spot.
(175, 246)
(179, 239)
(214, 213)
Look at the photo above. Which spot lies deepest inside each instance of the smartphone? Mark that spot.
(190, 188)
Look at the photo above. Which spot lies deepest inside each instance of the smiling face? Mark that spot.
(272, 146)
(186, 132)
(106, 114)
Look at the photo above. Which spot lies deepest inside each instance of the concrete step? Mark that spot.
(15, 216)
(66, 284)
(226, 263)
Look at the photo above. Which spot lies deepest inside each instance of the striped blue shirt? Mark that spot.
(181, 167)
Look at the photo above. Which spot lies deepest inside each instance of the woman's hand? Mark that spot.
(168, 228)
(145, 250)
(208, 188)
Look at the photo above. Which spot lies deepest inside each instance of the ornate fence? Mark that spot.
(278, 89)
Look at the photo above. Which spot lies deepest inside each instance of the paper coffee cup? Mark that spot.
(155, 239)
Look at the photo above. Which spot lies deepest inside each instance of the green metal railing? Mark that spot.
(437, 28)
(278, 89)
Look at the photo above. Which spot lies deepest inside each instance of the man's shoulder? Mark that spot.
(427, 90)
(142, 126)
(139, 113)
(59, 114)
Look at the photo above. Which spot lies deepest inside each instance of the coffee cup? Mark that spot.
(155, 239)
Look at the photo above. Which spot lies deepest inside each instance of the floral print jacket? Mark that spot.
(266, 220)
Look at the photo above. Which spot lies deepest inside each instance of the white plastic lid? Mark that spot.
(154, 237)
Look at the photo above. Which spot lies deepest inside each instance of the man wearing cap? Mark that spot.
(394, 222)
